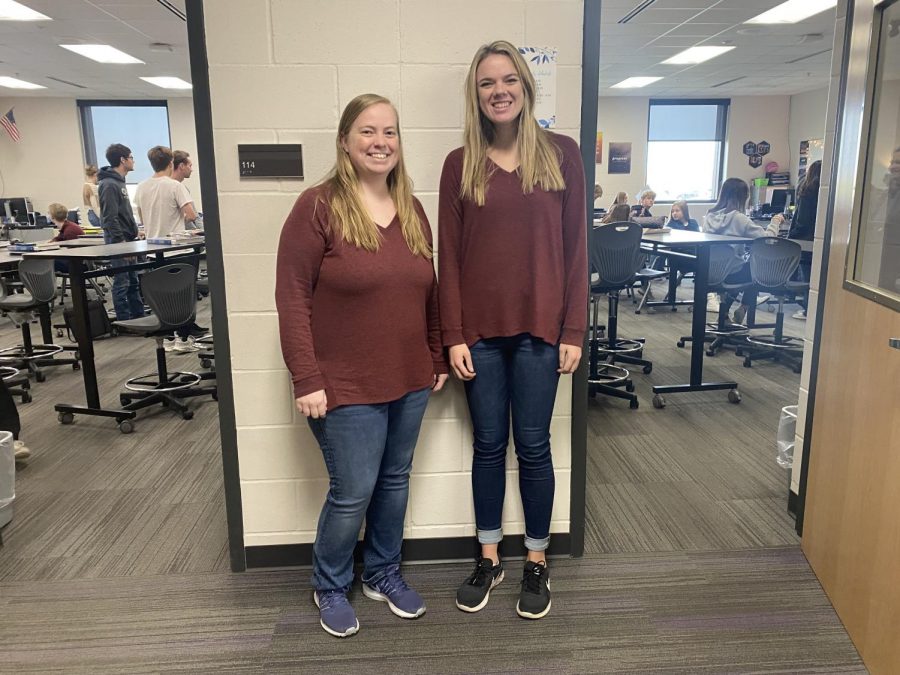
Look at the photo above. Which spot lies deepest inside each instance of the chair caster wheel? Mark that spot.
(205, 363)
(674, 309)
(690, 308)
(633, 404)
(76, 366)
(629, 387)
(40, 377)
(26, 397)
(680, 343)
(710, 352)
(126, 426)
(647, 369)
(637, 311)
(734, 396)
(747, 363)
(65, 418)
(659, 401)
(187, 415)
(59, 332)
(124, 400)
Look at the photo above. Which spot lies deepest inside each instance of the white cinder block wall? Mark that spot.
(284, 77)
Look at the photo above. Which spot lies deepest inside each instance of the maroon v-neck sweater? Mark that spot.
(518, 264)
(363, 326)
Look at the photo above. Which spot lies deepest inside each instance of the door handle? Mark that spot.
(894, 342)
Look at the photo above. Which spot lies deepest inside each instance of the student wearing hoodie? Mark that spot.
(117, 221)
(727, 217)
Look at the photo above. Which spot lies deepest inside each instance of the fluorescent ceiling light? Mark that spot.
(697, 55)
(102, 53)
(168, 82)
(634, 82)
(13, 83)
(793, 11)
(13, 11)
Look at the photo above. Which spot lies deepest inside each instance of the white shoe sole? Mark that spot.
(372, 594)
(483, 604)
(541, 615)
(350, 631)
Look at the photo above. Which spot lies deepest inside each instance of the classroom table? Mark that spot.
(78, 258)
(700, 242)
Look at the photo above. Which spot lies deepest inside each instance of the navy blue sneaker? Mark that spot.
(392, 589)
(335, 613)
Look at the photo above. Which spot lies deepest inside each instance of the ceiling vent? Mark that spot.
(722, 84)
(637, 10)
(71, 84)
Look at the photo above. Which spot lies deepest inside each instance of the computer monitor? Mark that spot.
(781, 198)
(19, 208)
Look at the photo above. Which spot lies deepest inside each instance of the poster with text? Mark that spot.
(619, 158)
(542, 63)
(598, 149)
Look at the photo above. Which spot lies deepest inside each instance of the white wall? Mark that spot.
(305, 61)
(47, 164)
(807, 121)
(751, 118)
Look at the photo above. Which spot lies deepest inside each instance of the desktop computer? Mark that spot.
(18, 209)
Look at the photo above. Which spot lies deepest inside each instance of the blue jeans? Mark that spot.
(513, 375)
(368, 451)
(126, 290)
(93, 219)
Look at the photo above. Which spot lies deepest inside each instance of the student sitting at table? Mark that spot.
(59, 214)
(618, 213)
(727, 217)
(621, 198)
(680, 217)
(645, 201)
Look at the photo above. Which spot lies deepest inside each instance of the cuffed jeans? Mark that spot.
(368, 451)
(513, 375)
(126, 290)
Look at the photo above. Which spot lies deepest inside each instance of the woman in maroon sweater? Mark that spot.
(360, 333)
(513, 264)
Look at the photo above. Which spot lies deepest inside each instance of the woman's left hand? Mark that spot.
(439, 382)
(569, 356)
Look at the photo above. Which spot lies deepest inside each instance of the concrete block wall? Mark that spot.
(284, 77)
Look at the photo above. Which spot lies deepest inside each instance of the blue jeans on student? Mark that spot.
(514, 375)
(126, 290)
(93, 218)
(368, 451)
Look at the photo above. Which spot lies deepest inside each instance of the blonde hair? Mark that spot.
(90, 171)
(57, 211)
(349, 213)
(538, 156)
(646, 193)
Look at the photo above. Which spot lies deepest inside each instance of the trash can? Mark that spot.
(7, 477)
(787, 431)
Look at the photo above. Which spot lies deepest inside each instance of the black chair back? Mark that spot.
(171, 292)
(39, 279)
(615, 253)
(773, 261)
(722, 262)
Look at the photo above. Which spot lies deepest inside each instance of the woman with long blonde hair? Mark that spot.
(513, 264)
(360, 333)
(90, 197)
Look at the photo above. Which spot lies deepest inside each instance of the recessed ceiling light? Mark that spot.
(697, 55)
(634, 82)
(168, 82)
(102, 53)
(13, 83)
(793, 11)
(14, 11)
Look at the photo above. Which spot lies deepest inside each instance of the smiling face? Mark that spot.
(500, 93)
(373, 142)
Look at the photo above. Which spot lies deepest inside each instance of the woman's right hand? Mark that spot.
(777, 219)
(313, 405)
(461, 362)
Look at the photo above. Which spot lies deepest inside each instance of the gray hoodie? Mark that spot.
(736, 224)
(116, 217)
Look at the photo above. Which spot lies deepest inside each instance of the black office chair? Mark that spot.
(721, 333)
(17, 382)
(615, 257)
(39, 281)
(773, 262)
(171, 293)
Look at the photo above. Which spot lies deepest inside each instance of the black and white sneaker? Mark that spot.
(475, 591)
(534, 599)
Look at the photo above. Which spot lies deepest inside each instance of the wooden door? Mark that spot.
(851, 532)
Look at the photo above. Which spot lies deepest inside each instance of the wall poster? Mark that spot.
(598, 149)
(542, 63)
(619, 158)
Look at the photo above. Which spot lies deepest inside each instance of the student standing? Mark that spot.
(513, 270)
(90, 197)
(163, 203)
(360, 332)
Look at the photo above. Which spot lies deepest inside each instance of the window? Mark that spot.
(138, 124)
(686, 149)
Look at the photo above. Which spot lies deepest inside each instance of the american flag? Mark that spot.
(9, 123)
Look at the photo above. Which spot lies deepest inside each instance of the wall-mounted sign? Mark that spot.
(755, 161)
(270, 161)
(619, 158)
(749, 148)
(598, 149)
(763, 148)
(542, 63)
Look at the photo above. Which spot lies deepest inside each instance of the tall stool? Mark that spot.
(39, 280)
(772, 264)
